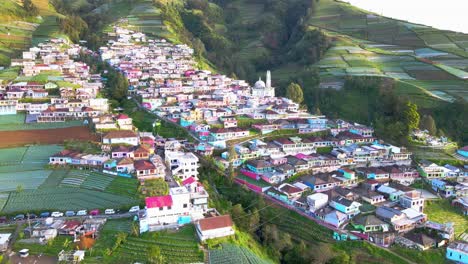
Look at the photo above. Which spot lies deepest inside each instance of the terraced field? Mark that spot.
(229, 253)
(18, 29)
(370, 45)
(60, 189)
(176, 246)
(86, 179)
(65, 198)
(17, 122)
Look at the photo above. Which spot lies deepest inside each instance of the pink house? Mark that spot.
(147, 140)
(279, 161)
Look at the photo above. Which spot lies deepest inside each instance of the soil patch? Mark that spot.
(45, 136)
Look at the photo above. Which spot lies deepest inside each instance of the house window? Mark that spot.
(160, 208)
(169, 207)
(185, 205)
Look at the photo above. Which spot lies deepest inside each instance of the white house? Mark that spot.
(121, 137)
(182, 164)
(317, 201)
(175, 208)
(213, 227)
(4, 240)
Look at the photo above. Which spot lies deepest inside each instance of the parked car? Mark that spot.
(81, 213)
(3, 219)
(31, 216)
(44, 214)
(94, 212)
(24, 253)
(134, 209)
(69, 213)
(109, 211)
(56, 214)
(19, 217)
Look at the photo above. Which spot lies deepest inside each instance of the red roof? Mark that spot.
(215, 222)
(158, 201)
(189, 180)
(144, 165)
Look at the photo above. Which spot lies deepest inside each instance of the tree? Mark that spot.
(19, 188)
(30, 7)
(294, 92)
(254, 220)
(154, 255)
(317, 111)
(428, 123)
(411, 116)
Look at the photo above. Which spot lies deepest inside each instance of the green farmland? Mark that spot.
(16, 122)
(176, 246)
(370, 45)
(26, 184)
(65, 198)
(229, 253)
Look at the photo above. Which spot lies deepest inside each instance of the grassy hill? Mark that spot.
(315, 43)
(368, 44)
(19, 29)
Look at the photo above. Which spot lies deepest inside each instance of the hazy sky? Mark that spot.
(442, 14)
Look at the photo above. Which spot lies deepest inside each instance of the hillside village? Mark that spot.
(336, 173)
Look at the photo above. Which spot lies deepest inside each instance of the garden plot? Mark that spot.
(3, 199)
(64, 199)
(179, 247)
(17, 122)
(454, 71)
(429, 53)
(229, 253)
(12, 156)
(86, 179)
(147, 19)
(27, 180)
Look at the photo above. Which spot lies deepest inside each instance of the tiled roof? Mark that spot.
(215, 222)
(144, 165)
(120, 134)
(287, 188)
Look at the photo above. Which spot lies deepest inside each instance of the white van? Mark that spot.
(134, 209)
(57, 214)
(81, 213)
(24, 253)
(109, 211)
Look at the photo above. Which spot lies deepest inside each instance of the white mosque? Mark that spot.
(261, 89)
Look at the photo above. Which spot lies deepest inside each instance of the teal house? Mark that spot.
(278, 195)
(259, 166)
(457, 252)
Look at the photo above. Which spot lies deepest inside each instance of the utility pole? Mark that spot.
(29, 224)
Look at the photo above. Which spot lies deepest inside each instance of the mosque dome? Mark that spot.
(260, 84)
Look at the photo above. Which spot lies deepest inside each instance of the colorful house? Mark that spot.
(335, 218)
(442, 187)
(278, 195)
(348, 207)
(369, 223)
(463, 152)
(259, 166)
(347, 173)
(457, 252)
(110, 164)
(430, 170)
